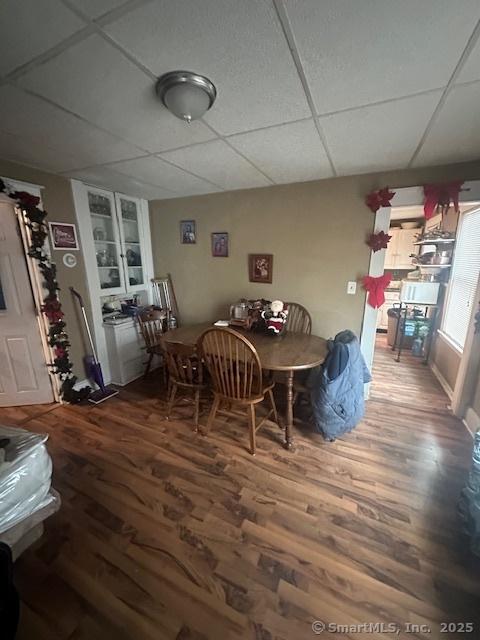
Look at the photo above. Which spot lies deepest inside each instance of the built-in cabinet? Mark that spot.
(118, 241)
(400, 248)
(115, 235)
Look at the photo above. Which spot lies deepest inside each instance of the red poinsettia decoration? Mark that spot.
(53, 310)
(379, 198)
(60, 352)
(439, 197)
(377, 241)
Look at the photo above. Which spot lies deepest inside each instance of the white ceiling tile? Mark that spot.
(77, 143)
(108, 178)
(355, 55)
(238, 44)
(287, 153)
(217, 162)
(21, 150)
(95, 80)
(162, 174)
(455, 134)
(96, 8)
(378, 137)
(29, 28)
(471, 69)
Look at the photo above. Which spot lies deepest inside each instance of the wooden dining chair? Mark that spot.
(298, 318)
(234, 367)
(185, 372)
(151, 323)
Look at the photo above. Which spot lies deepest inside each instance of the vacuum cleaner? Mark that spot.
(92, 365)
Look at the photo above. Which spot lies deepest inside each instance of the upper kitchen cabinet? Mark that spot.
(131, 239)
(400, 248)
(115, 234)
(106, 241)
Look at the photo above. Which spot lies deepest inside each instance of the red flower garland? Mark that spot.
(379, 198)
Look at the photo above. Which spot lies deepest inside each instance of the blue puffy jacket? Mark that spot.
(337, 390)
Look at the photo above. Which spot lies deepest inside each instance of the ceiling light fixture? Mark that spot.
(187, 95)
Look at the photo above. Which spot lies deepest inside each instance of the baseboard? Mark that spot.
(82, 383)
(472, 421)
(445, 386)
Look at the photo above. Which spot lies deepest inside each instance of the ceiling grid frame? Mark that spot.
(97, 25)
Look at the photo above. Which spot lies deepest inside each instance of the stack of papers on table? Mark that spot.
(222, 323)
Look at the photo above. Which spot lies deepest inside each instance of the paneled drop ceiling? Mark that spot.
(307, 89)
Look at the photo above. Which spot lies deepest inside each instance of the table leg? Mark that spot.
(289, 421)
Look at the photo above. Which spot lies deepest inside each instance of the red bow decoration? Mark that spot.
(377, 241)
(53, 310)
(380, 198)
(376, 288)
(438, 197)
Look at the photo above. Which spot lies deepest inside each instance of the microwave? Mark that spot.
(419, 292)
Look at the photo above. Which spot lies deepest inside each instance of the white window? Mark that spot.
(463, 279)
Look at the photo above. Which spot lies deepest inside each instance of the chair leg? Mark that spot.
(213, 413)
(171, 400)
(252, 425)
(149, 364)
(197, 408)
(274, 406)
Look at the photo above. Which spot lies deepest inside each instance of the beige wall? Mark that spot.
(57, 199)
(476, 398)
(446, 359)
(316, 231)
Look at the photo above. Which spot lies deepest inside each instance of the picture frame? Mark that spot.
(63, 236)
(260, 267)
(188, 232)
(220, 244)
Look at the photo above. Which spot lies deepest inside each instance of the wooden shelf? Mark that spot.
(438, 241)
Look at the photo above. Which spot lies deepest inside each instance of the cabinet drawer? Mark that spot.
(130, 351)
(132, 369)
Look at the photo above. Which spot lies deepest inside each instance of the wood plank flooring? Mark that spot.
(164, 533)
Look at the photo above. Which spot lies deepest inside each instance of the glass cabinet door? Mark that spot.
(106, 240)
(130, 232)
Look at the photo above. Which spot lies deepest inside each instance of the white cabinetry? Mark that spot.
(391, 298)
(115, 235)
(117, 228)
(400, 247)
(125, 353)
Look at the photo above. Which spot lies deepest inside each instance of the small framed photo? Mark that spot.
(63, 235)
(188, 232)
(260, 267)
(220, 244)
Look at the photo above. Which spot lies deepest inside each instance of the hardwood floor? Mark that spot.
(164, 533)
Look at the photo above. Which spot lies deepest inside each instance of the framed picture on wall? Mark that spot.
(188, 232)
(63, 235)
(260, 267)
(220, 244)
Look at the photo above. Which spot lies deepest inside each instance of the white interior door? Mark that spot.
(24, 377)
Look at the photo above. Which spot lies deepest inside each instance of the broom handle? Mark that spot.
(87, 326)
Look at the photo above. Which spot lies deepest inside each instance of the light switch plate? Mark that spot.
(351, 288)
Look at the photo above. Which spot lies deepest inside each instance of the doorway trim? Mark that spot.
(413, 196)
(36, 278)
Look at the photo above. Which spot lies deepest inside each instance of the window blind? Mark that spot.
(463, 280)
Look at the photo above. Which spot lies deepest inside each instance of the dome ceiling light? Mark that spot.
(187, 95)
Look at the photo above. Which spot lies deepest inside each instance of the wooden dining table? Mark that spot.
(288, 353)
